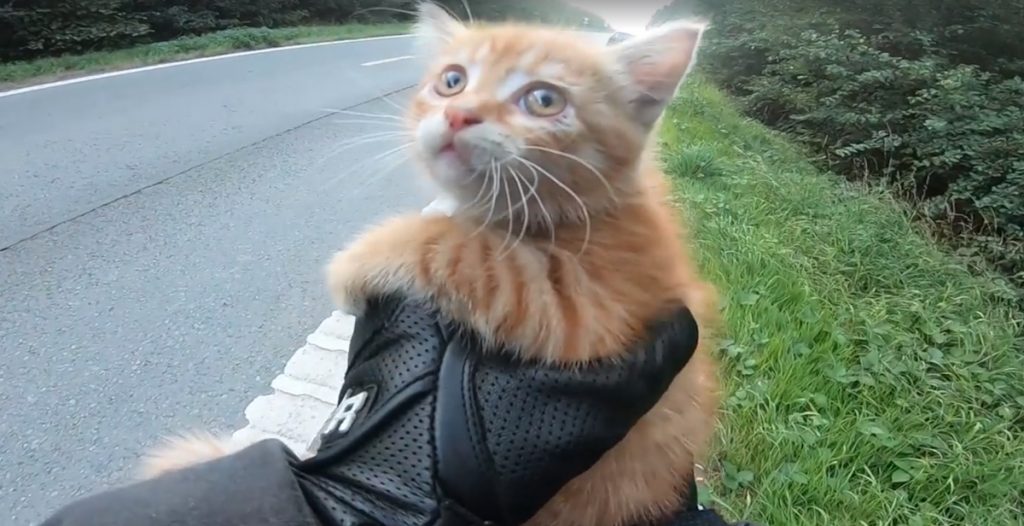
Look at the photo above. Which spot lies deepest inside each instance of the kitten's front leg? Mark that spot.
(383, 260)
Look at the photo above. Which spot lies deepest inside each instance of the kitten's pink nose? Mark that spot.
(459, 119)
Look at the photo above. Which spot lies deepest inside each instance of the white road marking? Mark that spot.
(306, 393)
(109, 74)
(385, 61)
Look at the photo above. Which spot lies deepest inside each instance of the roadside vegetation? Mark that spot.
(872, 376)
(49, 39)
(921, 96)
(218, 43)
(871, 254)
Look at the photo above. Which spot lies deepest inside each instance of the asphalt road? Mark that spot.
(162, 236)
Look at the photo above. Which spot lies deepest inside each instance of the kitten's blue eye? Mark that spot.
(544, 101)
(544, 98)
(451, 82)
(452, 79)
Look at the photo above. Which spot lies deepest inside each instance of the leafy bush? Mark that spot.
(923, 95)
(61, 26)
(38, 28)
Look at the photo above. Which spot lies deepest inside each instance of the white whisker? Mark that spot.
(389, 9)
(372, 136)
(494, 197)
(392, 151)
(392, 103)
(359, 141)
(585, 164)
(583, 207)
(480, 194)
(450, 11)
(526, 211)
(361, 114)
(479, 203)
(378, 175)
(508, 216)
(469, 12)
(359, 173)
(368, 162)
(393, 125)
(540, 202)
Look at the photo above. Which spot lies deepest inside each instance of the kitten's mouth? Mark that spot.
(451, 152)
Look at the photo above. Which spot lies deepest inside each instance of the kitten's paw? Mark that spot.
(346, 282)
(384, 260)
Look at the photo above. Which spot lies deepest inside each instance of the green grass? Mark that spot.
(871, 377)
(27, 72)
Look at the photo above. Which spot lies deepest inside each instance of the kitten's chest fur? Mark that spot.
(585, 290)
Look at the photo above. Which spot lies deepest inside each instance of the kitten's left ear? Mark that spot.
(435, 27)
(654, 65)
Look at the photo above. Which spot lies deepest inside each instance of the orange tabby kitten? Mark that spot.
(561, 242)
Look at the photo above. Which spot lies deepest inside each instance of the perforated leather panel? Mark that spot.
(385, 469)
(451, 434)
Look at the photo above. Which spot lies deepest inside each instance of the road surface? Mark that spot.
(162, 237)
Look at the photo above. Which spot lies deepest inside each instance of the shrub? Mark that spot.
(37, 28)
(926, 99)
(948, 135)
(62, 26)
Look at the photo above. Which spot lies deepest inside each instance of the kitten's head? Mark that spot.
(541, 121)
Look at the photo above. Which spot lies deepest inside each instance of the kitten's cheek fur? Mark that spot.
(430, 134)
(430, 137)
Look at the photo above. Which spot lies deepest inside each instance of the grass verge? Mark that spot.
(871, 377)
(15, 74)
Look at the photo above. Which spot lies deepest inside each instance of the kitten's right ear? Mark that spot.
(435, 28)
(654, 65)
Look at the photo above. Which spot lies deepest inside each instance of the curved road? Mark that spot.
(162, 235)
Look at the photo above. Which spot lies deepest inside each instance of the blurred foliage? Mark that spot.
(924, 95)
(40, 28)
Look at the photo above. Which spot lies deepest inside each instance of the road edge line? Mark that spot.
(163, 65)
(296, 409)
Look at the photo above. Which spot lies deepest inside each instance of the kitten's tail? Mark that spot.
(184, 450)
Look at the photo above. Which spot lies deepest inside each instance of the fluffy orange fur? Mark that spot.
(583, 255)
(563, 245)
(182, 451)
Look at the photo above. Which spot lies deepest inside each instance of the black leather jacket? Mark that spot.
(432, 428)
